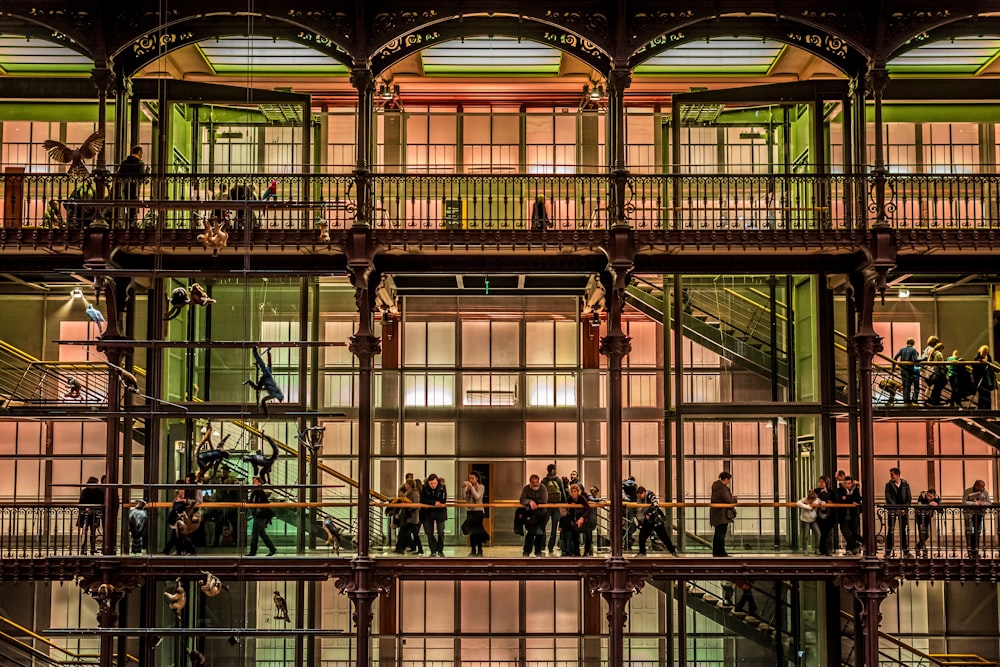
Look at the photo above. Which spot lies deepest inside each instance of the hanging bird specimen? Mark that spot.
(89, 149)
(281, 608)
(96, 316)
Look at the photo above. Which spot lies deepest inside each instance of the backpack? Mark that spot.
(554, 489)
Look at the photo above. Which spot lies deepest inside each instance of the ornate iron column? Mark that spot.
(618, 587)
(618, 82)
(867, 281)
(108, 590)
(362, 588)
(363, 81)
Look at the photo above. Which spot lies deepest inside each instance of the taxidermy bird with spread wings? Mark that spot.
(89, 149)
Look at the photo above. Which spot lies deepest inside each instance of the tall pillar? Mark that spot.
(363, 81)
(866, 282)
(96, 240)
(361, 587)
(618, 588)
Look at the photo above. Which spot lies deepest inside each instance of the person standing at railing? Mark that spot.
(532, 496)
(557, 494)
(824, 516)
(539, 215)
(909, 373)
(435, 496)
(976, 498)
(138, 525)
(809, 504)
(89, 517)
(127, 179)
(985, 378)
(898, 499)
(473, 490)
(721, 517)
(924, 518)
(849, 518)
(630, 495)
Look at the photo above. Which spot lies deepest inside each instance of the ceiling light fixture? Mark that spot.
(904, 294)
(76, 293)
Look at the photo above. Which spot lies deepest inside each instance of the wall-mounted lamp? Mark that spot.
(596, 93)
(596, 321)
(387, 92)
(234, 641)
(76, 293)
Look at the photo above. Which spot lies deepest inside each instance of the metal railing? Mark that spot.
(723, 202)
(941, 532)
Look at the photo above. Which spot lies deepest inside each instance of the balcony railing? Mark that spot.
(775, 202)
(942, 531)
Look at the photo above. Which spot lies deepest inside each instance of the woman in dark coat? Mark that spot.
(984, 377)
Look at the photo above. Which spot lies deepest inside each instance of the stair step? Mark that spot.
(711, 599)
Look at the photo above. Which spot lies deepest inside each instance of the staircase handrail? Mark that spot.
(929, 657)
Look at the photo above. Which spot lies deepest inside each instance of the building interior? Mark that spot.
(625, 239)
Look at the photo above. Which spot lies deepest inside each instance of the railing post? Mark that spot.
(363, 81)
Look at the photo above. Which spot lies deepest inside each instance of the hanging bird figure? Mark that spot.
(178, 299)
(282, 608)
(96, 316)
(89, 149)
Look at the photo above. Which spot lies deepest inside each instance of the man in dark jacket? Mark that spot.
(909, 373)
(533, 495)
(849, 518)
(897, 500)
(557, 494)
(262, 517)
(653, 521)
(130, 174)
(721, 517)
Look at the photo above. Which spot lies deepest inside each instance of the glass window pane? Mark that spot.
(476, 343)
(506, 344)
(540, 351)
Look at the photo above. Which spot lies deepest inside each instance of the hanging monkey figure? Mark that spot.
(261, 464)
(178, 599)
(197, 658)
(178, 299)
(312, 438)
(199, 297)
(211, 585)
(265, 381)
(74, 388)
(210, 458)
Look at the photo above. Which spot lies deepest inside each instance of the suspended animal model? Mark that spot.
(281, 608)
(262, 464)
(312, 438)
(211, 585)
(216, 236)
(178, 599)
(95, 316)
(178, 299)
(265, 381)
(88, 150)
(210, 458)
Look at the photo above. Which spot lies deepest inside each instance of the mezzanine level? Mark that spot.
(678, 222)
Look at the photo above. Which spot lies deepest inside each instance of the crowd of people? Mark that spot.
(968, 382)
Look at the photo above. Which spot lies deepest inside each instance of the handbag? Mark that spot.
(730, 513)
(466, 527)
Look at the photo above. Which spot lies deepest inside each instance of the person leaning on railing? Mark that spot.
(976, 498)
(984, 377)
(924, 518)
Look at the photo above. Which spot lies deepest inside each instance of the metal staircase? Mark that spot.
(895, 653)
(725, 321)
(760, 628)
(28, 381)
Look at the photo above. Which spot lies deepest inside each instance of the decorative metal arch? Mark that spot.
(559, 38)
(149, 46)
(834, 50)
(66, 31)
(974, 27)
(908, 23)
(648, 21)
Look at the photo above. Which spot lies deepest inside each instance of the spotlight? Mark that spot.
(76, 293)
(234, 641)
(904, 294)
(385, 318)
(597, 318)
(597, 93)
(155, 641)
